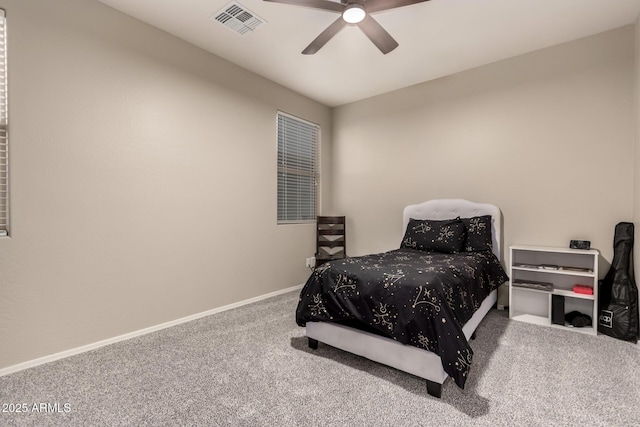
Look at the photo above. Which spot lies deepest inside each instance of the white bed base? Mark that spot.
(413, 360)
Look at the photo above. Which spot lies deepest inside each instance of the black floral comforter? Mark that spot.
(417, 298)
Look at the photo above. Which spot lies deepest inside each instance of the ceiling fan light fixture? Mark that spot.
(353, 13)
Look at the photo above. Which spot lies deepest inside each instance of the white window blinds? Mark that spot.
(297, 169)
(4, 148)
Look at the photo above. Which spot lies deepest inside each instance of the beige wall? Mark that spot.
(547, 136)
(143, 183)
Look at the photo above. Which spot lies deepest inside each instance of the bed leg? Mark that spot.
(313, 344)
(434, 389)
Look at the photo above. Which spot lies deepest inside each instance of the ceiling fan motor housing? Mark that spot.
(353, 13)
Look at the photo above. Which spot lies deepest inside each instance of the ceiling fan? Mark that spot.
(353, 12)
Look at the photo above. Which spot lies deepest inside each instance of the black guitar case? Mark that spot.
(618, 294)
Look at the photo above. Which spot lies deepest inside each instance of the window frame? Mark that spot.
(305, 213)
(4, 128)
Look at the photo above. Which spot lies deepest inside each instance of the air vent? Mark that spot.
(238, 18)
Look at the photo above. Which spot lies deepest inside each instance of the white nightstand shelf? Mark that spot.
(559, 269)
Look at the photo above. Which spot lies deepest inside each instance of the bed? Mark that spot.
(413, 308)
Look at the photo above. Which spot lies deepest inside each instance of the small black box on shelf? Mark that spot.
(580, 244)
(557, 309)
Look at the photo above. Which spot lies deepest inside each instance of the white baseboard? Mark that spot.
(72, 352)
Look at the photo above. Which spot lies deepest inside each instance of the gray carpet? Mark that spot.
(251, 367)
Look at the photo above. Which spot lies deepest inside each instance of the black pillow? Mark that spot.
(577, 319)
(478, 233)
(446, 236)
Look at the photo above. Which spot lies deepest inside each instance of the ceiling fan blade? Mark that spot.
(378, 35)
(372, 6)
(325, 36)
(315, 4)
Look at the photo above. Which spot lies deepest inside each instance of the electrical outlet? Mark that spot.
(311, 262)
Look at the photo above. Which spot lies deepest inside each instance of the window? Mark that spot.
(4, 148)
(297, 169)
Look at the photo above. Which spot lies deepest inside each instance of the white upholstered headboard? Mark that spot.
(440, 209)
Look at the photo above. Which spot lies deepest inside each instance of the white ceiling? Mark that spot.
(437, 38)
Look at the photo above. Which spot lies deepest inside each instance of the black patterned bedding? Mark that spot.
(417, 298)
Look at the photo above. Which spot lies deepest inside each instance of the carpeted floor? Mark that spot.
(251, 367)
